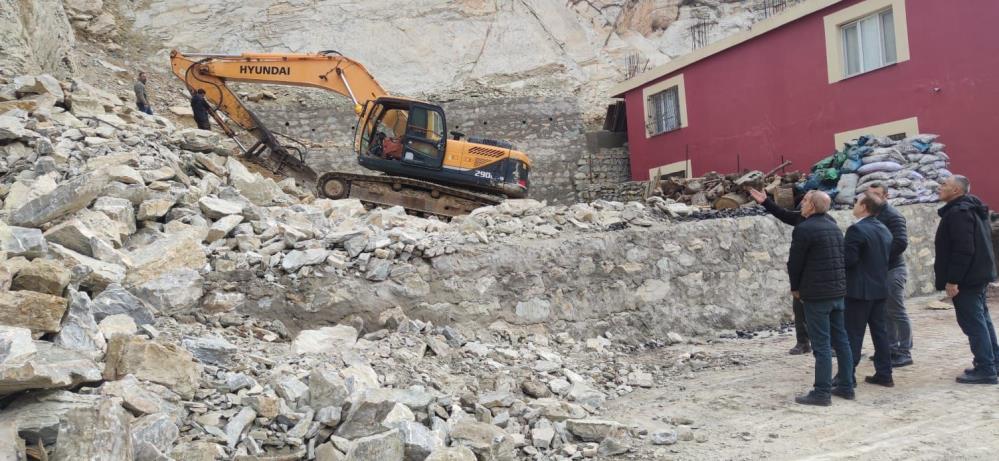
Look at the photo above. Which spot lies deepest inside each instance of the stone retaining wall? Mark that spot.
(644, 282)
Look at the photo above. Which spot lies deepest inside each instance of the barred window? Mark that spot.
(664, 111)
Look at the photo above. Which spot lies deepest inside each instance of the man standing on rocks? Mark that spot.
(868, 249)
(817, 269)
(899, 325)
(200, 108)
(791, 218)
(141, 98)
(964, 267)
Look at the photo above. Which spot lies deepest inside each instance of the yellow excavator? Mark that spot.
(405, 139)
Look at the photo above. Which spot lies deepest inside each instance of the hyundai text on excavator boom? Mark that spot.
(403, 138)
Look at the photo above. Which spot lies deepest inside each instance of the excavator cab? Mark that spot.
(405, 132)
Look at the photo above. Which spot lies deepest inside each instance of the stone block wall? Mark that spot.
(606, 174)
(690, 277)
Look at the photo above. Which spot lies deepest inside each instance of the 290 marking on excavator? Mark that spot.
(265, 70)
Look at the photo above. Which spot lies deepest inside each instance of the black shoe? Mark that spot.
(977, 377)
(813, 398)
(848, 394)
(800, 349)
(899, 362)
(880, 380)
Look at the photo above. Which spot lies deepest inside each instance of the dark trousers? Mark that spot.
(827, 330)
(144, 108)
(899, 325)
(800, 329)
(976, 323)
(861, 313)
(203, 124)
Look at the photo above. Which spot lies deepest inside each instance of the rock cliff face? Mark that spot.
(454, 48)
(37, 37)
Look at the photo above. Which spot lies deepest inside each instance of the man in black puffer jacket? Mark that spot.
(964, 267)
(816, 267)
(791, 218)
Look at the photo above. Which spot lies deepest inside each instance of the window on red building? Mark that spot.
(664, 111)
(869, 43)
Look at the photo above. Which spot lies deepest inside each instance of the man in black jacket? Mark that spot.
(200, 107)
(791, 218)
(897, 319)
(964, 267)
(868, 248)
(816, 269)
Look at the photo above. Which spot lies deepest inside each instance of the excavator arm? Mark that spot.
(327, 70)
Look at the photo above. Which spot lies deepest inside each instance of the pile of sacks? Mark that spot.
(911, 169)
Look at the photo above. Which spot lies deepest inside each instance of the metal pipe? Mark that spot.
(343, 79)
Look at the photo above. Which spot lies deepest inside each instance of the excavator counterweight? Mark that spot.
(405, 139)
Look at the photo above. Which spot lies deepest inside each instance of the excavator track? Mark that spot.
(412, 194)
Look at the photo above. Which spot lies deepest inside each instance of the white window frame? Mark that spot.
(834, 21)
(883, 60)
(659, 110)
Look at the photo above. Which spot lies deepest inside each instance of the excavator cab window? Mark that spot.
(425, 136)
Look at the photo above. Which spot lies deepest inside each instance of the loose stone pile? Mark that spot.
(114, 346)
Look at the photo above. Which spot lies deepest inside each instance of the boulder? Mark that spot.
(153, 436)
(117, 300)
(104, 227)
(452, 454)
(98, 274)
(211, 350)
(198, 140)
(176, 290)
(11, 446)
(72, 234)
(11, 128)
(415, 399)
(125, 174)
(67, 198)
(162, 173)
(95, 433)
(22, 241)
(39, 312)
(328, 452)
(293, 391)
(143, 399)
(79, 329)
(117, 325)
(15, 344)
(49, 367)
(222, 301)
(591, 430)
(216, 208)
(296, 259)
(174, 252)
(325, 340)
(532, 311)
(237, 424)
(160, 363)
(198, 451)
(37, 414)
(365, 419)
(257, 189)
(119, 210)
(221, 228)
(485, 440)
(154, 209)
(42, 276)
(327, 389)
(418, 441)
(378, 447)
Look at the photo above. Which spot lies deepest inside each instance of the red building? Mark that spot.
(798, 84)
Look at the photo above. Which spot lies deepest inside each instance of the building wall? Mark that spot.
(770, 98)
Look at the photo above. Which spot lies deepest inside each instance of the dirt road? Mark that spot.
(745, 411)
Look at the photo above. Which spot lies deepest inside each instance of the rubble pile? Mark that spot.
(715, 191)
(115, 345)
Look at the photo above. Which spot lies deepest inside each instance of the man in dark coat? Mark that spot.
(791, 218)
(964, 267)
(868, 249)
(816, 268)
(896, 317)
(201, 108)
